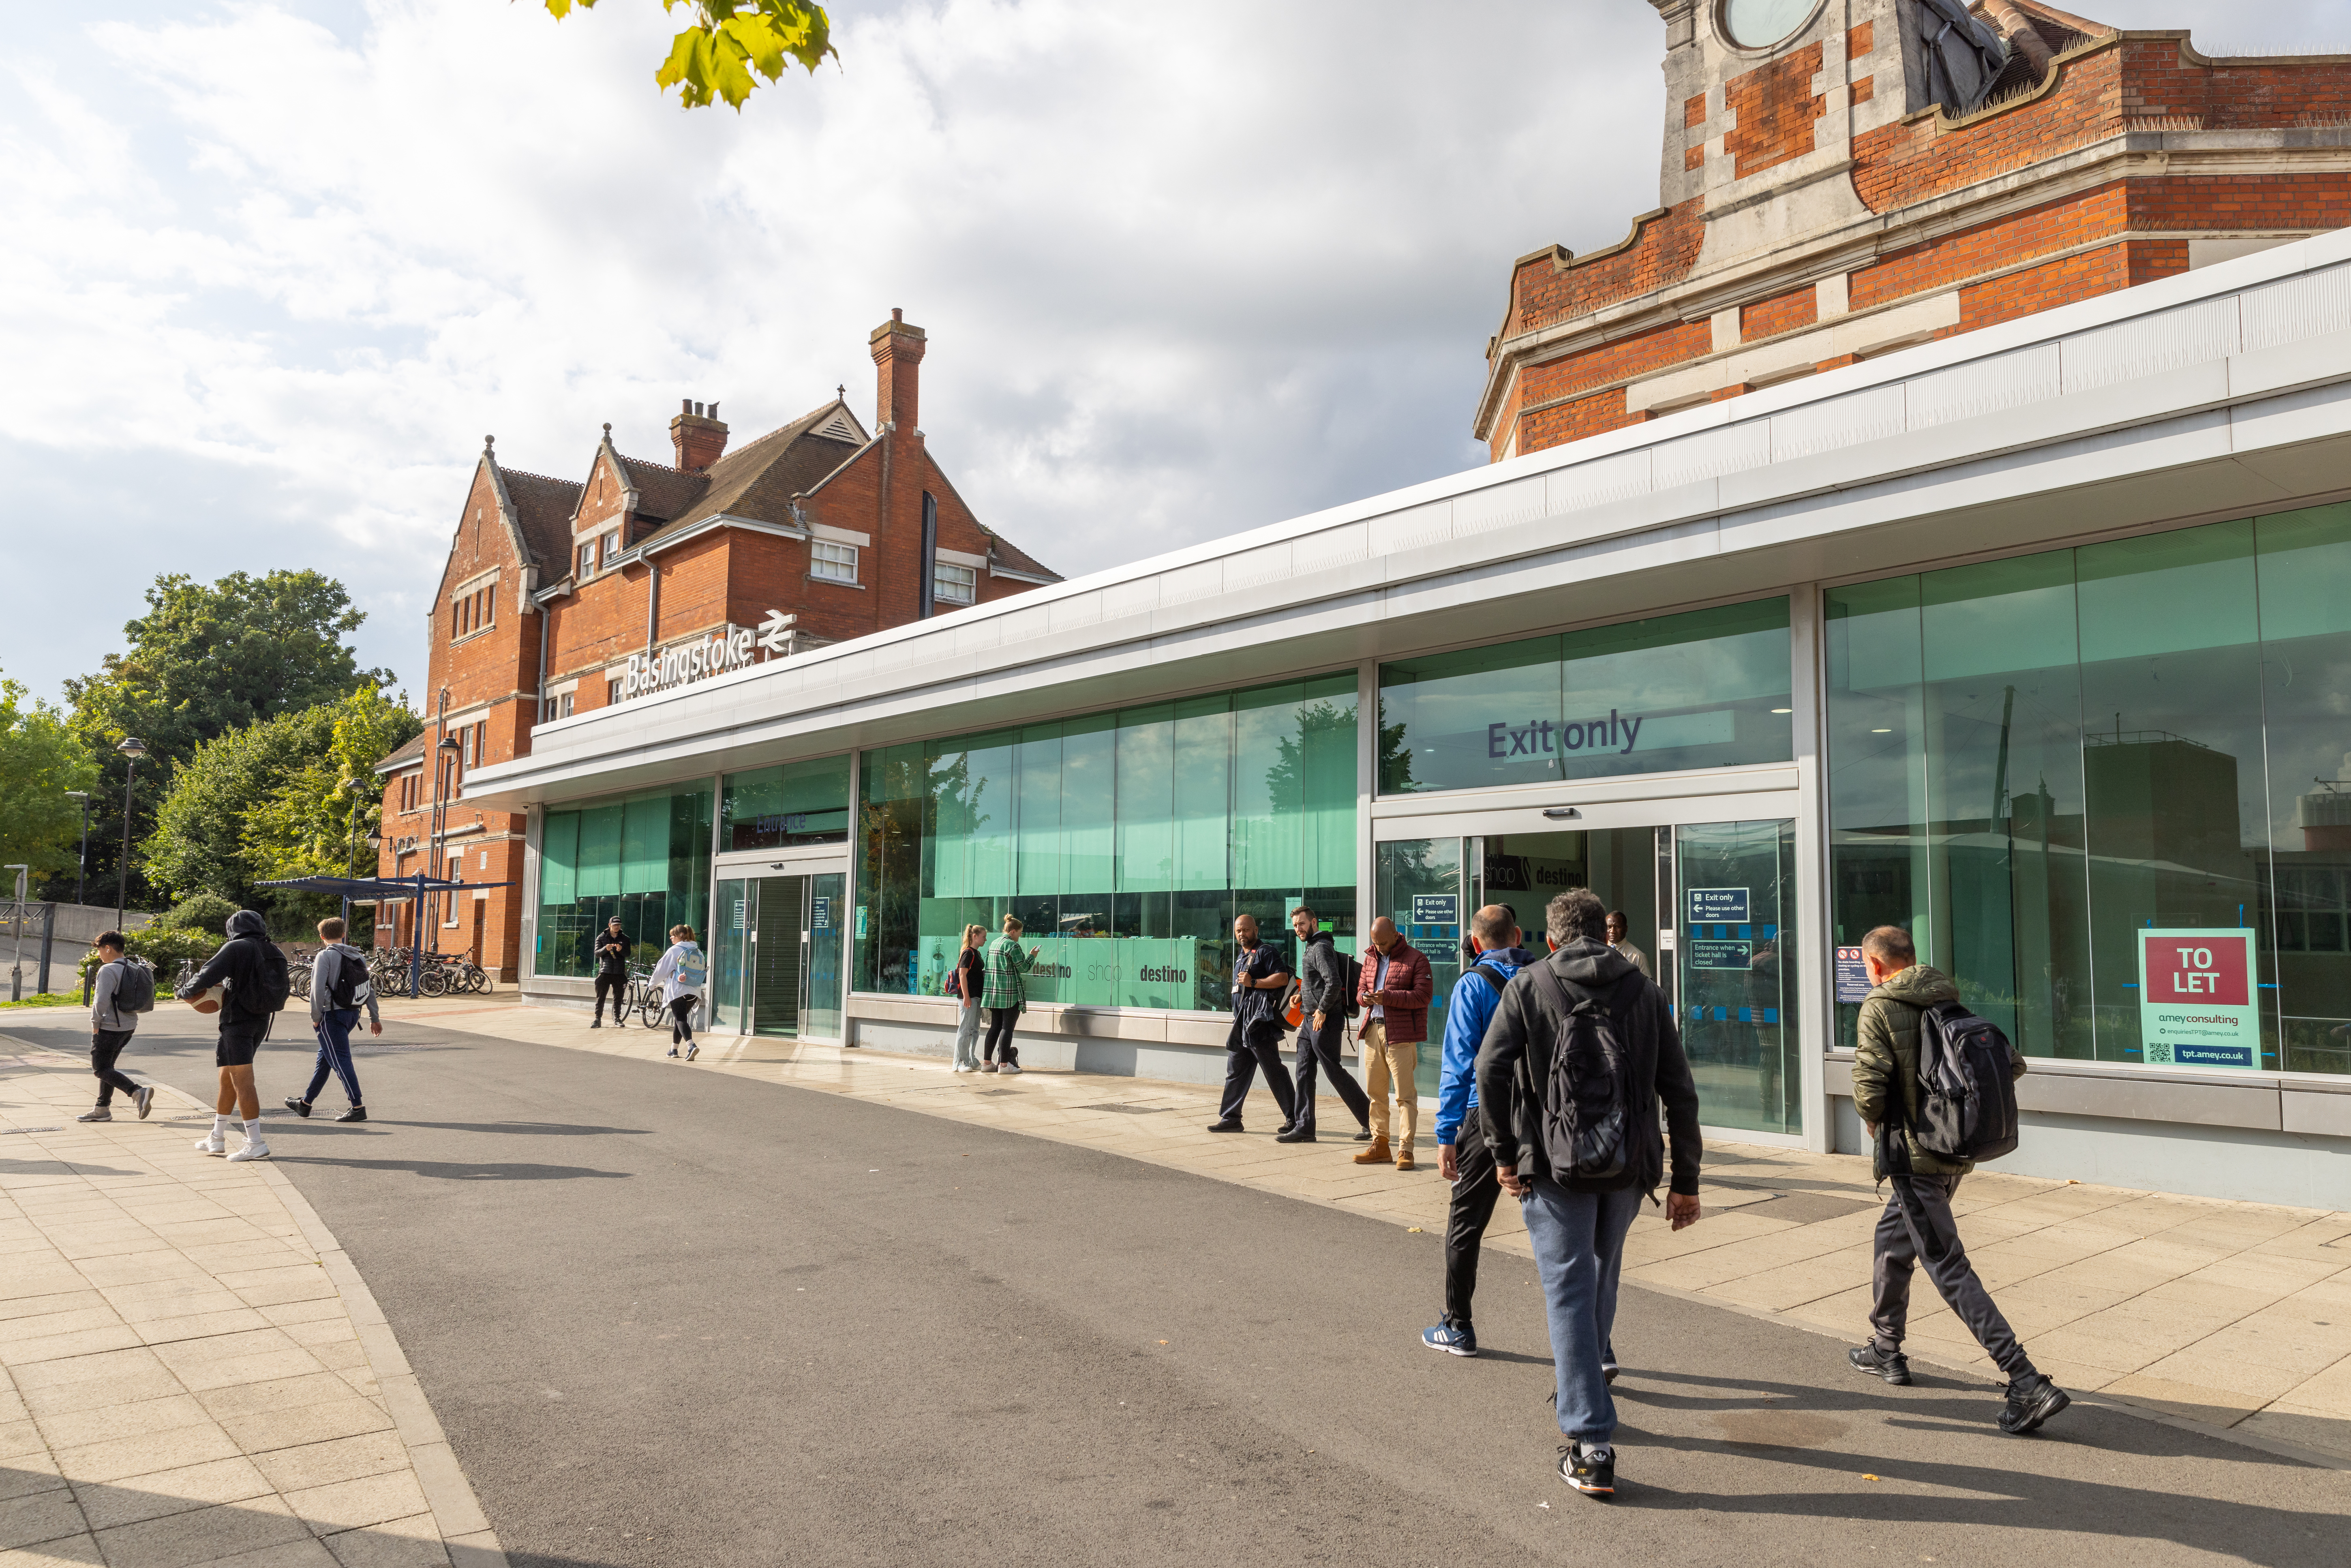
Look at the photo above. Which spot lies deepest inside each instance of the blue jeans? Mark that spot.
(335, 1028)
(1579, 1242)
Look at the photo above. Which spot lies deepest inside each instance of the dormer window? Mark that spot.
(829, 562)
(611, 547)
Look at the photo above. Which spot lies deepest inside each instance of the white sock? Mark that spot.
(220, 1126)
(253, 1132)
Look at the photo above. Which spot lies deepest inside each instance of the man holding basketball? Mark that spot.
(253, 973)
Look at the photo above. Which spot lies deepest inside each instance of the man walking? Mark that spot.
(1324, 996)
(1396, 987)
(1006, 997)
(1619, 930)
(1917, 1221)
(1579, 1197)
(254, 971)
(113, 1018)
(1260, 980)
(612, 974)
(338, 988)
(1468, 1164)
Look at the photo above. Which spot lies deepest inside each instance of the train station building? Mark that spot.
(2015, 609)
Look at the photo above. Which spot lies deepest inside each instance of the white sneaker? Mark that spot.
(210, 1146)
(962, 1067)
(252, 1151)
(1009, 1067)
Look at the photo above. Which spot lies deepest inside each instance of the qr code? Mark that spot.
(2158, 1054)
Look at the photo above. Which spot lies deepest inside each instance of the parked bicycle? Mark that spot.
(646, 998)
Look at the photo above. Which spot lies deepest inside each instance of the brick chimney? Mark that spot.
(897, 362)
(698, 436)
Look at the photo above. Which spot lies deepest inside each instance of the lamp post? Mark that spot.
(16, 919)
(81, 867)
(445, 761)
(132, 749)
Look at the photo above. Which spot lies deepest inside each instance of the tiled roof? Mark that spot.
(759, 479)
(412, 752)
(544, 508)
(1015, 559)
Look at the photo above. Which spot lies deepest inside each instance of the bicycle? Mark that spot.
(651, 1010)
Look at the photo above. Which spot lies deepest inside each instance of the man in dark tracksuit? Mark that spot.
(1323, 995)
(1917, 1224)
(612, 975)
(1260, 980)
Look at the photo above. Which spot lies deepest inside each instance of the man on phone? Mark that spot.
(612, 974)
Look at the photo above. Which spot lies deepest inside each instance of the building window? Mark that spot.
(643, 857)
(587, 559)
(2074, 774)
(829, 562)
(776, 807)
(559, 706)
(1127, 842)
(952, 584)
(612, 691)
(1705, 689)
(449, 900)
(611, 547)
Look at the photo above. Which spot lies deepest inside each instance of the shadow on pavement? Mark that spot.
(526, 1129)
(59, 1168)
(464, 1170)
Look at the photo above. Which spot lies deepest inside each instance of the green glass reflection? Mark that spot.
(776, 807)
(644, 857)
(1707, 688)
(1417, 877)
(1736, 965)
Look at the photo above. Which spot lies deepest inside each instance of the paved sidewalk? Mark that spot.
(191, 1370)
(2231, 1315)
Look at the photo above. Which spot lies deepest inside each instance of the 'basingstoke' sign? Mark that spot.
(728, 649)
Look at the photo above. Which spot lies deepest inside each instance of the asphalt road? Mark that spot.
(675, 1317)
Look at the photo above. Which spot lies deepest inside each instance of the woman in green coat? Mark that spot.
(1006, 997)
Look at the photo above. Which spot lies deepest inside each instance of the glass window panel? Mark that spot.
(600, 851)
(559, 858)
(1088, 799)
(644, 845)
(2304, 569)
(989, 807)
(1269, 796)
(1146, 799)
(1326, 767)
(1447, 708)
(1037, 825)
(798, 804)
(895, 791)
(1203, 791)
(591, 839)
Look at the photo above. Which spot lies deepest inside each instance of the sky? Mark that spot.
(274, 269)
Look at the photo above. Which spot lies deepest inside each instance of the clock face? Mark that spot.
(1759, 23)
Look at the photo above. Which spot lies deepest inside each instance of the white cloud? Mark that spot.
(273, 268)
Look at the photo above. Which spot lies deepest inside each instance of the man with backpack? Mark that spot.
(119, 992)
(1579, 1058)
(1326, 996)
(254, 971)
(338, 988)
(1927, 1081)
(1498, 956)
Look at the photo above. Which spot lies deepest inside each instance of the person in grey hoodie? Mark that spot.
(338, 988)
(109, 1031)
(1917, 1225)
(1322, 1023)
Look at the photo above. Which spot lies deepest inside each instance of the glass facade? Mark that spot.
(2156, 732)
(777, 808)
(644, 857)
(1707, 688)
(1127, 842)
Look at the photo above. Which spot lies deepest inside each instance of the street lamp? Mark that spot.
(131, 750)
(81, 870)
(17, 973)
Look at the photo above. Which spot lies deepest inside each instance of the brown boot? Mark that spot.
(1404, 1160)
(1377, 1155)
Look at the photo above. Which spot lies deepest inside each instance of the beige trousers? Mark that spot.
(1384, 1062)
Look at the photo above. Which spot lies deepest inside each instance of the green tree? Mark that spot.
(39, 761)
(315, 821)
(729, 40)
(205, 660)
(199, 844)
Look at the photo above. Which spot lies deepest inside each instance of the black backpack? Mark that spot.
(271, 984)
(1586, 1126)
(1353, 969)
(1967, 1101)
(350, 975)
(134, 988)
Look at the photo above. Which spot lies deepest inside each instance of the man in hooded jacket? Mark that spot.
(1577, 1225)
(254, 971)
(1917, 1225)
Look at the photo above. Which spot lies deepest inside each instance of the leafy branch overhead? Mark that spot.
(730, 40)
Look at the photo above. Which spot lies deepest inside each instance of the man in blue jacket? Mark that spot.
(1468, 1164)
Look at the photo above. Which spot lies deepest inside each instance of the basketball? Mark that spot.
(209, 1000)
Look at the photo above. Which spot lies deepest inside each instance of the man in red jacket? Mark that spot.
(1396, 987)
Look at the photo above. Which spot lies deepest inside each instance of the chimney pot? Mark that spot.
(897, 348)
(699, 439)
(896, 314)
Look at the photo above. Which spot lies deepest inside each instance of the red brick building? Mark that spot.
(1834, 185)
(562, 597)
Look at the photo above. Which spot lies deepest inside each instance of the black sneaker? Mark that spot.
(356, 1113)
(2031, 1401)
(1588, 1469)
(1226, 1125)
(597, 1024)
(1295, 1135)
(1889, 1365)
(1364, 1136)
(299, 1107)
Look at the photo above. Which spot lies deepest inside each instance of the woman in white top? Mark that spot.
(680, 974)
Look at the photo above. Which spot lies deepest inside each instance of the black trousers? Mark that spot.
(1917, 1227)
(104, 1045)
(1255, 1043)
(681, 1020)
(1465, 1219)
(999, 1047)
(618, 986)
(1321, 1047)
